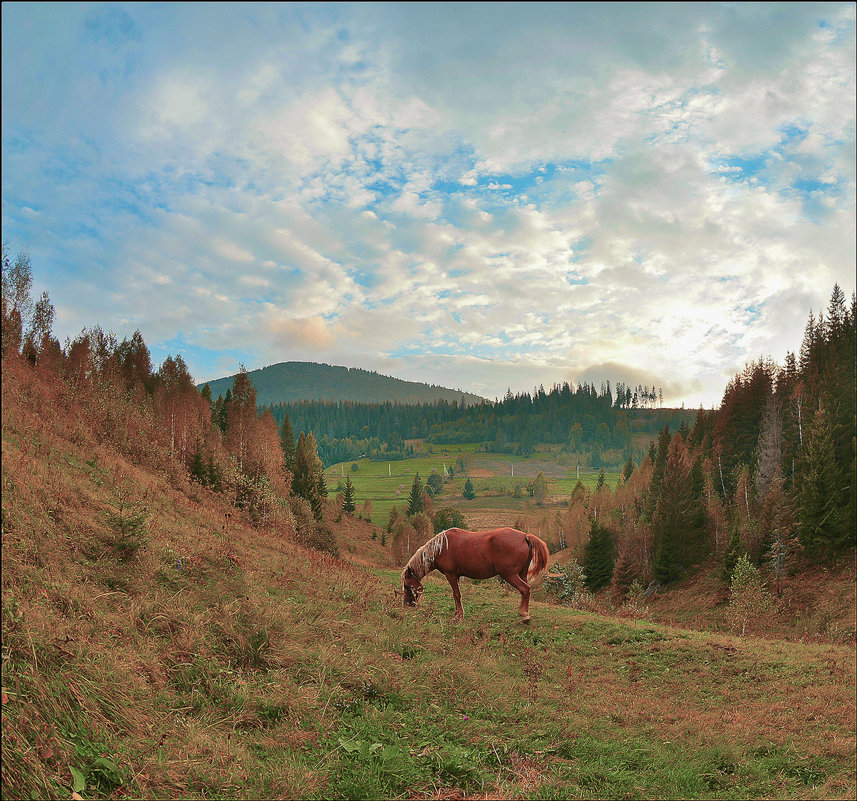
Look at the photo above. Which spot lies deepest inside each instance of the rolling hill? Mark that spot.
(288, 382)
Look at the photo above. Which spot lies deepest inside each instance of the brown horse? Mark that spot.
(504, 552)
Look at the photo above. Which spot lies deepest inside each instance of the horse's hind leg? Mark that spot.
(522, 587)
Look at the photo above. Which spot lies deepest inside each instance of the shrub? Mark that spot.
(447, 517)
(749, 597)
(567, 583)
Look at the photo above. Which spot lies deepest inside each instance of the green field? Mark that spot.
(494, 477)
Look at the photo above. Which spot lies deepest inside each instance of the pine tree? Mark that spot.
(469, 491)
(823, 521)
(598, 557)
(287, 441)
(415, 500)
(305, 474)
(734, 551)
(601, 479)
(658, 467)
(674, 516)
(348, 504)
(628, 470)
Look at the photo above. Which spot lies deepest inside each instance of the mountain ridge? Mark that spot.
(293, 381)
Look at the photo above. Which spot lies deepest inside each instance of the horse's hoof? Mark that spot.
(524, 621)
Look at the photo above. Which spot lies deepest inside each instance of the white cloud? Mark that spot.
(569, 188)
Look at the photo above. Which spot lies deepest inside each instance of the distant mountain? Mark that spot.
(289, 382)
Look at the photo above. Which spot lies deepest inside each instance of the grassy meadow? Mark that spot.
(221, 660)
(494, 477)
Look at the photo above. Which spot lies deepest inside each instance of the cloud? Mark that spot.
(512, 195)
(311, 332)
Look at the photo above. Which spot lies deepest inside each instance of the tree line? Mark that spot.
(588, 425)
(768, 476)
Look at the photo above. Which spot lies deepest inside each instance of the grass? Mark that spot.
(388, 484)
(243, 666)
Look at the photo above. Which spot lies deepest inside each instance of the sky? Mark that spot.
(483, 196)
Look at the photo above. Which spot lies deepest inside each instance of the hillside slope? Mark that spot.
(206, 658)
(288, 382)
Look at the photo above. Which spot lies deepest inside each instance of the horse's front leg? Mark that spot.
(456, 594)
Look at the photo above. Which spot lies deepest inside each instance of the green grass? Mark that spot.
(388, 484)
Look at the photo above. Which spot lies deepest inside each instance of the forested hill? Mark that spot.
(290, 382)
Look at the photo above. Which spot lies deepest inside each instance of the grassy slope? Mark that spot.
(226, 664)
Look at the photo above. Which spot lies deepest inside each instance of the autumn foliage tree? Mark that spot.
(183, 410)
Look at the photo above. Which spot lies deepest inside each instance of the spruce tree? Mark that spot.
(734, 551)
(223, 418)
(673, 516)
(197, 466)
(658, 466)
(624, 575)
(598, 557)
(213, 474)
(348, 504)
(628, 470)
(823, 521)
(415, 500)
(305, 480)
(287, 441)
(469, 492)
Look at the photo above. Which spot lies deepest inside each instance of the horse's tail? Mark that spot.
(540, 554)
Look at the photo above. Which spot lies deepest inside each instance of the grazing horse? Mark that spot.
(504, 552)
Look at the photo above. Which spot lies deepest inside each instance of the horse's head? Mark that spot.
(412, 588)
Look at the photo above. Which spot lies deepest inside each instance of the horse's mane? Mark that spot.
(422, 562)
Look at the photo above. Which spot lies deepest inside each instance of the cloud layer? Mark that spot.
(477, 196)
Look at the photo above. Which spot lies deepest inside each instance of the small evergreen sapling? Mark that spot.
(749, 596)
(127, 519)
